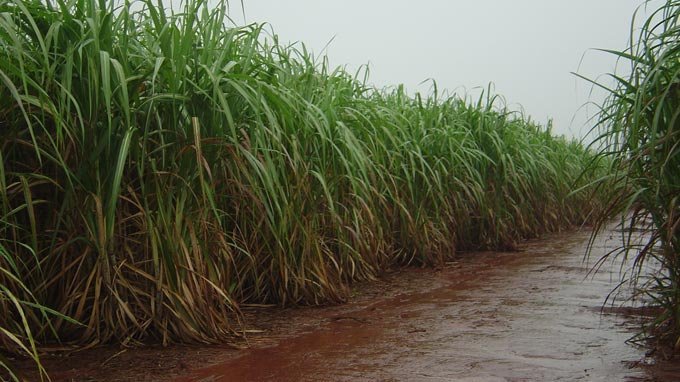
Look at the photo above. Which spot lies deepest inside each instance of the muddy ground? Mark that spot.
(530, 315)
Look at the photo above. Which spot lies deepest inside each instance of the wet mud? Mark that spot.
(531, 315)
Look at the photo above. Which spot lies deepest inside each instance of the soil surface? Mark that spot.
(531, 315)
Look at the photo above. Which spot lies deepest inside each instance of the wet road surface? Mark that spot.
(532, 315)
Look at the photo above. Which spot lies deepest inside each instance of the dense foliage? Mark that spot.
(159, 169)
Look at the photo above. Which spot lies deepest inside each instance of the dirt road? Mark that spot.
(532, 315)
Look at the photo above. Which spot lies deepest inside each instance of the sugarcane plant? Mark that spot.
(639, 136)
(161, 167)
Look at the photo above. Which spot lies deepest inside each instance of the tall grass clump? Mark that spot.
(640, 136)
(159, 169)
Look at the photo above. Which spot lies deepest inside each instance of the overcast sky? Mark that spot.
(527, 48)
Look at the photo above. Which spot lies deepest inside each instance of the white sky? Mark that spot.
(527, 48)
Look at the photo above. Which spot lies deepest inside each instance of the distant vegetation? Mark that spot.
(159, 169)
(640, 133)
